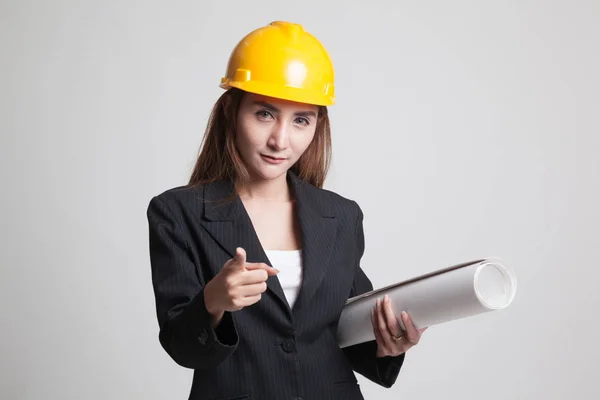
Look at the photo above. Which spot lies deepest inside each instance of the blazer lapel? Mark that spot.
(318, 226)
(230, 225)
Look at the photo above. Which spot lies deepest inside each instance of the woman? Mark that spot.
(252, 261)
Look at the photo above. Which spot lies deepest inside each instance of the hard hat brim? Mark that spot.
(297, 94)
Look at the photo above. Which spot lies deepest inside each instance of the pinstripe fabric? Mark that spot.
(265, 351)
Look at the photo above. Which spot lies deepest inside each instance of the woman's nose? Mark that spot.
(280, 136)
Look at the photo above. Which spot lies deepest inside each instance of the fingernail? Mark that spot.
(404, 314)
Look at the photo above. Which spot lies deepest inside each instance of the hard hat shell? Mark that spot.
(284, 61)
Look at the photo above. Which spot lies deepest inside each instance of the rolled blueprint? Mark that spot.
(441, 296)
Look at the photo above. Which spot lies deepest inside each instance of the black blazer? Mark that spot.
(265, 351)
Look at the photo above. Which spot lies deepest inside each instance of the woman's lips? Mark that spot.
(272, 160)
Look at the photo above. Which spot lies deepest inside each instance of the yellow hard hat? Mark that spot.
(282, 60)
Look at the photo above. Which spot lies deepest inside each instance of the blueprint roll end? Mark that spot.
(495, 284)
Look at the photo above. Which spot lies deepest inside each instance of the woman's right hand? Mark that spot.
(239, 284)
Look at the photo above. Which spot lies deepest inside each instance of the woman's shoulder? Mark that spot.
(178, 198)
(335, 200)
(178, 193)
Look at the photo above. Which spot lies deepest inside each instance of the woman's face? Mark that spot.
(272, 134)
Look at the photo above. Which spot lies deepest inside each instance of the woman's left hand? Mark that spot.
(391, 339)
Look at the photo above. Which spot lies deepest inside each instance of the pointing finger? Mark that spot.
(270, 270)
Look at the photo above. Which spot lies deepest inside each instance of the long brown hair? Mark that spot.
(220, 159)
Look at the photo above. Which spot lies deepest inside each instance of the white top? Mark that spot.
(289, 264)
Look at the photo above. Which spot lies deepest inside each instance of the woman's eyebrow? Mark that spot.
(306, 114)
(266, 105)
(271, 107)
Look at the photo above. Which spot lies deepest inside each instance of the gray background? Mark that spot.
(481, 117)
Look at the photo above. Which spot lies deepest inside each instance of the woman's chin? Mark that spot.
(270, 172)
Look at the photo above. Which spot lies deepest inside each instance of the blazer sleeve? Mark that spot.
(185, 332)
(363, 356)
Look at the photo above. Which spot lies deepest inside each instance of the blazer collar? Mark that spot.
(230, 225)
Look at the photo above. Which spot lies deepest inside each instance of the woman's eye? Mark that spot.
(264, 114)
(302, 121)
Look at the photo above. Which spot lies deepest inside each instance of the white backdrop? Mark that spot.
(481, 118)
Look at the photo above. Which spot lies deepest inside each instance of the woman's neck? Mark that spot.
(274, 190)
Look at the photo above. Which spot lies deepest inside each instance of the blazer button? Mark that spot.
(289, 345)
(203, 336)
